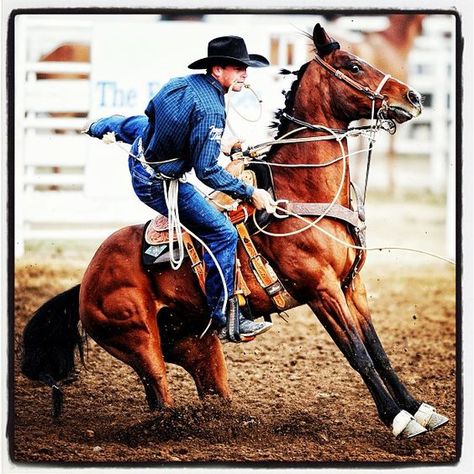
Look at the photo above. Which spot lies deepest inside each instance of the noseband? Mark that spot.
(372, 95)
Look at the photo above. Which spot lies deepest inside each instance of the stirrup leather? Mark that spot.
(197, 265)
(262, 270)
(264, 273)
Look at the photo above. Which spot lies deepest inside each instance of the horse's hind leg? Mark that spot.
(357, 300)
(332, 310)
(125, 325)
(144, 356)
(204, 360)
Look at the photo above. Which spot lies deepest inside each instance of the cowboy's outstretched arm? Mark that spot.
(205, 147)
(126, 129)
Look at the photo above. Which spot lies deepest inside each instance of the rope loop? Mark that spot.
(171, 191)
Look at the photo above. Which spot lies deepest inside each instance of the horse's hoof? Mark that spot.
(426, 416)
(405, 426)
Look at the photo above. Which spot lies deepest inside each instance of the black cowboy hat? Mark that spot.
(229, 48)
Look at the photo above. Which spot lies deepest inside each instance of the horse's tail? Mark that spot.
(50, 340)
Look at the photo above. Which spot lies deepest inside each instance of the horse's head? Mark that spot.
(352, 85)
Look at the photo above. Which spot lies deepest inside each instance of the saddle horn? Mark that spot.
(323, 42)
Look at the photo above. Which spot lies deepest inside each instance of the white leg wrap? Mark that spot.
(426, 416)
(405, 426)
(424, 413)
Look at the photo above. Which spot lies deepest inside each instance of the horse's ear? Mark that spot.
(323, 42)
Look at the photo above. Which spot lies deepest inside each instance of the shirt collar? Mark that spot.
(212, 80)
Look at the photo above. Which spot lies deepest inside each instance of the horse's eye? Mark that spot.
(354, 68)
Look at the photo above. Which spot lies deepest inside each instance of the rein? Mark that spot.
(334, 134)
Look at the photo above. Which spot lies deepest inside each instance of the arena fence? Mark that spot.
(70, 187)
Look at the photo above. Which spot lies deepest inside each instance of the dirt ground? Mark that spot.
(295, 398)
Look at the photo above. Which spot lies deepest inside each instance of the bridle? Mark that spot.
(372, 95)
(381, 121)
(365, 90)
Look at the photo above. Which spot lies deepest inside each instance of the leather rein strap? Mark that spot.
(354, 84)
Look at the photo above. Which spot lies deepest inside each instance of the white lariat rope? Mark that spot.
(240, 114)
(333, 237)
(229, 105)
(258, 150)
(176, 228)
(110, 138)
(174, 224)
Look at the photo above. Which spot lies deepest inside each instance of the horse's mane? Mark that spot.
(280, 122)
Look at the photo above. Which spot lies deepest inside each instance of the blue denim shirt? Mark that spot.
(186, 119)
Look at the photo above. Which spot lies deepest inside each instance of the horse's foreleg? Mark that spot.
(204, 360)
(357, 301)
(332, 310)
(356, 297)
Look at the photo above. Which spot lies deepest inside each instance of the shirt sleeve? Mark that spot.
(205, 147)
(126, 129)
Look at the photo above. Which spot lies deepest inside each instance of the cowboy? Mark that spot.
(182, 130)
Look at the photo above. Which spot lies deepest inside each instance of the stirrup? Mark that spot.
(233, 322)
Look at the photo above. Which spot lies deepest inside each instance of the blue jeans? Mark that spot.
(194, 211)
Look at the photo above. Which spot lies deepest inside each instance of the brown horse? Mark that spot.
(148, 318)
(67, 52)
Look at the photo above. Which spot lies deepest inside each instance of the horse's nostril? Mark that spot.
(414, 98)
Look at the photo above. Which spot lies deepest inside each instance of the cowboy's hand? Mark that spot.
(231, 145)
(261, 199)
